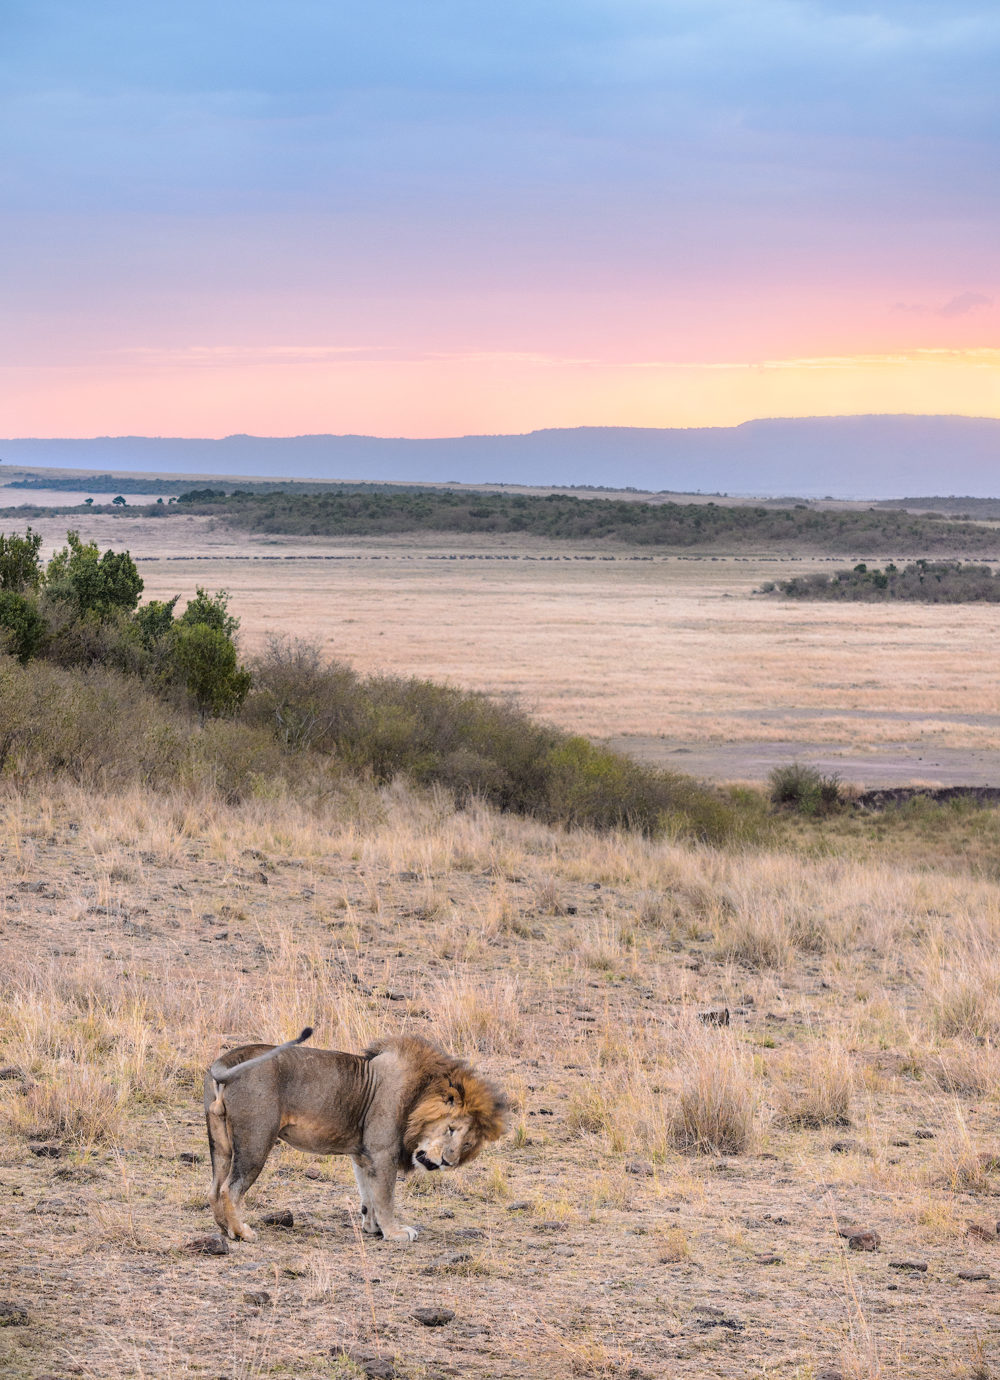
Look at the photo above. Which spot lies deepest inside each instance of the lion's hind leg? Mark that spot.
(239, 1153)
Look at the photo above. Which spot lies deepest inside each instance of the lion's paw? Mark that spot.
(247, 1234)
(406, 1234)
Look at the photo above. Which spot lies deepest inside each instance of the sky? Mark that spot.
(455, 217)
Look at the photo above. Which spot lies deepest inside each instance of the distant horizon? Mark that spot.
(470, 435)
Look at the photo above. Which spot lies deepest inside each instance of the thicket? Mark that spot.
(351, 512)
(107, 691)
(82, 610)
(923, 581)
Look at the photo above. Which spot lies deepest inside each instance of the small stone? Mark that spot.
(433, 1317)
(718, 1016)
(710, 1316)
(257, 1298)
(190, 1157)
(641, 1168)
(46, 1149)
(923, 1134)
(972, 1275)
(12, 1314)
(207, 1245)
(769, 1259)
(899, 1144)
(979, 1233)
(843, 1147)
(468, 1233)
(278, 1219)
(374, 1366)
(550, 1226)
(519, 1205)
(829, 1375)
(864, 1241)
(313, 1171)
(920, 1265)
(10, 1073)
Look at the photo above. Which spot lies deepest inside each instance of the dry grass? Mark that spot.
(140, 938)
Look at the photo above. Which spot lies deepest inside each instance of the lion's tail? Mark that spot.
(221, 1075)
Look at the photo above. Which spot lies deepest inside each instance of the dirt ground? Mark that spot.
(570, 1249)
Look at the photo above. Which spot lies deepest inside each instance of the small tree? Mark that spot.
(98, 585)
(212, 611)
(22, 627)
(20, 568)
(207, 663)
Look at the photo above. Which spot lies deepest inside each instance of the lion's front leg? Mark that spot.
(380, 1182)
(362, 1177)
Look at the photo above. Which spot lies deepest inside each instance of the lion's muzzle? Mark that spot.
(423, 1158)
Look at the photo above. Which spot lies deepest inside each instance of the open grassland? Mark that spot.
(657, 652)
(669, 1199)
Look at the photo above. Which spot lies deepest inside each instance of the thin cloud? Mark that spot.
(959, 305)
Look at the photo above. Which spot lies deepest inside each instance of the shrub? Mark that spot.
(22, 627)
(804, 788)
(20, 568)
(205, 661)
(96, 584)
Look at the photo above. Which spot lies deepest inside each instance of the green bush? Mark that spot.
(805, 789)
(20, 567)
(97, 585)
(204, 659)
(22, 627)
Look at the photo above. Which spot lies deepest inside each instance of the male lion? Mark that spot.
(400, 1105)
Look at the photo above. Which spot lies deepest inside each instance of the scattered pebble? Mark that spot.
(207, 1245)
(980, 1233)
(46, 1149)
(12, 1314)
(519, 1205)
(864, 1241)
(278, 1219)
(844, 1147)
(374, 1366)
(190, 1157)
(923, 1134)
(899, 1143)
(708, 1315)
(920, 1265)
(433, 1317)
(641, 1168)
(769, 1259)
(258, 1298)
(313, 1171)
(10, 1073)
(972, 1275)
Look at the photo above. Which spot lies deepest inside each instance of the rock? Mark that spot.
(374, 1366)
(710, 1316)
(258, 1298)
(278, 1219)
(190, 1157)
(769, 1259)
(899, 1143)
(519, 1205)
(313, 1171)
(718, 1016)
(12, 1314)
(207, 1245)
(641, 1168)
(843, 1147)
(433, 1317)
(920, 1265)
(867, 1240)
(468, 1233)
(923, 1134)
(972, 1275)
(46, 1149)
(979, 1233)
(829, 1375)
(550, 1226)
(10, 1073)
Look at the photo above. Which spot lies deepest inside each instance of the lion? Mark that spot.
(399, 1106)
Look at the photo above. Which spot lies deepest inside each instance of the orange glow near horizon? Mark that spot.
(289, 391)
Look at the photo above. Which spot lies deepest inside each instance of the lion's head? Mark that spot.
(454, 1112)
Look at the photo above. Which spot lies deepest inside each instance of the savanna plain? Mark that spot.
(676, 1196)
